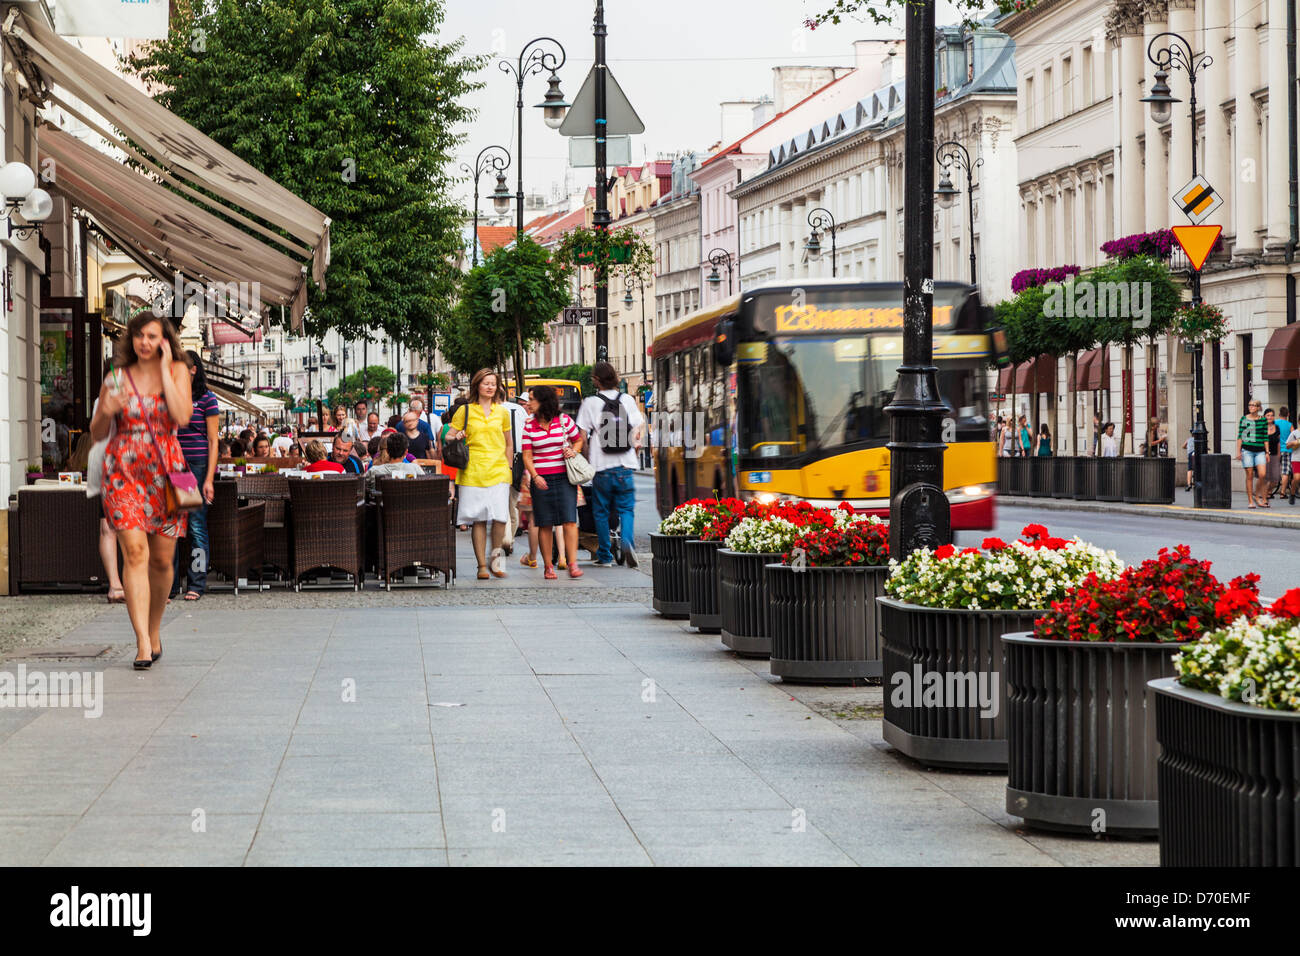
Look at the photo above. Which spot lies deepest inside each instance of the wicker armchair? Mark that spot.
(415, 527)
(235, 534)
(327, 526)
(54, 540)
(274, 490)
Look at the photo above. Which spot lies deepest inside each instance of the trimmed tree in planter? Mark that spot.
(942, 620)
(1080, 724)
(822, 612)
(1229, 732)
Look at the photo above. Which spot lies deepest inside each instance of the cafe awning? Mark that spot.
(164, 232)
(229, 401)
(1092, 370)
(1036, 376)
(181, 156)
(1282, 354)
(1005, 380)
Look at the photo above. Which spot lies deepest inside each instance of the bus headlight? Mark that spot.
(970, 493)
(765, 497)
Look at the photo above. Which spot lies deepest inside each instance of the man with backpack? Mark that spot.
(614, 426)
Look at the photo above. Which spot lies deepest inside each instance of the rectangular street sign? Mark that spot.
(579, 316)
(582, 151)
(1198, 200)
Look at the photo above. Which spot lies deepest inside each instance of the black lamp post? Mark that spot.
(919, 511)
(534, 59)
(1178, 54)
(819, 219)
(627, 302)
(489, 158)
(716, 258)
(950, 153)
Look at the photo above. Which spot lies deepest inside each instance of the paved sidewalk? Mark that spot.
(1279, 514)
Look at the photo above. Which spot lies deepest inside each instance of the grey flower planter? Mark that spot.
(1229, 780)
(702, 573)
(824, 623)
(1085, 478)
(742, 596)
(1063, 472)
(1042, 474)
(964, 726)
(1081, 733)
(1110, 479)
(1013, 476)
(672, 596)
(1149, 481)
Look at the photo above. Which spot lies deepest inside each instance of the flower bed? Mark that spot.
(754, 543)
(1081, 733)
(668, 568)
(942, 657)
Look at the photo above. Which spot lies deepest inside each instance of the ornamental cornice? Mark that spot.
(1182, 4)
(1124, 19)
(1155, 11)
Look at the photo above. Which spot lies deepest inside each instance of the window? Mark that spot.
(1067, 92)
(270, 378)
(1049, 108)
(1029, 102)
(1086, 75)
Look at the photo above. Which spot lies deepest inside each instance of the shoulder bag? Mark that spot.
(455, 453)
(517, 465)
(182, 490)
(577, 468)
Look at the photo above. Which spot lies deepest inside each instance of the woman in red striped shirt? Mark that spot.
(550, 437)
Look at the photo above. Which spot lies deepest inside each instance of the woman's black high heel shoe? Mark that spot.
(159, 654)
(143, 665)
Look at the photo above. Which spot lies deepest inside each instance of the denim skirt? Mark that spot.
(558, 504)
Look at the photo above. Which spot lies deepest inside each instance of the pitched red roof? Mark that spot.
(562, 224)
(735, 147)
(494, 237)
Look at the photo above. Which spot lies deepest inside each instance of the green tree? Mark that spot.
(505, 306)
(351, 105)
(379, 381)
(884, 11)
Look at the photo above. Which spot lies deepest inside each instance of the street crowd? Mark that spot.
(513, 466)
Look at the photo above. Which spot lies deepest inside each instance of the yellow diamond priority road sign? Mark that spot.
(1198, 199)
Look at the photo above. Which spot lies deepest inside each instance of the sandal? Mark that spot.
(116, 596)
(192, 595)
(483, 572)
(562, 564)
(550, 574)
(575, 572)
(528, 561)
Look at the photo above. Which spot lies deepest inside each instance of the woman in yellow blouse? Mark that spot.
(485, 482)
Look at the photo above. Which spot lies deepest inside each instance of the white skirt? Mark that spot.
(483, 504)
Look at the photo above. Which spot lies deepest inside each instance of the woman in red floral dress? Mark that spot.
(146, 391)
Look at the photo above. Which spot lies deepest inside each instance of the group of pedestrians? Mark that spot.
(1266, 442)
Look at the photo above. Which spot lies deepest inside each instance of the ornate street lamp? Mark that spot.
(489, 158)
(553, 106)
(954, 153)
(718, 257)
(21, 195)
(1178, 54)
(819, 219)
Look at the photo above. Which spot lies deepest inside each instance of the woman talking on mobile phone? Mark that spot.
(147, 398)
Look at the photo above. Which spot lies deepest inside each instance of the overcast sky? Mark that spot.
(675, 59)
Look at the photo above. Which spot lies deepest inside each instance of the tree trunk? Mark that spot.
(519, 358)
(1126, 401)
(1073, 446)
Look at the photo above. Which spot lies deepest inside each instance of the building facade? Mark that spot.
(1095, 165)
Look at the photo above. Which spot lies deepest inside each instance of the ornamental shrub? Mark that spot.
(769, 535)
(1032, 278)
(1159, 245)
(1027, 574)
(1253, 660)
(1169, 598)
(689, 518)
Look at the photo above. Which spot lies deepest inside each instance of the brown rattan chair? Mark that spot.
(415, 527)
(235, 534)
(274, 490)
(54, 539)
(327, 526)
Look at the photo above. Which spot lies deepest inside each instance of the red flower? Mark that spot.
(1033, 532)
(993, 544)
(945, 551)
(1288, 605)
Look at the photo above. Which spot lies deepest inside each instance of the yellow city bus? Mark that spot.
(799, 411)
(568, 391)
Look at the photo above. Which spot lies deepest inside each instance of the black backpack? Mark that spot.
(614, 432)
